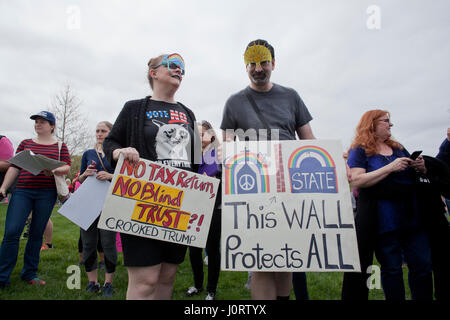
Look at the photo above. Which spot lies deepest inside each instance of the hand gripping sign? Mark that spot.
(286, 206)
(157, 201)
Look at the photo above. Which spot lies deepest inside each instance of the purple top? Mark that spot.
(209, 163)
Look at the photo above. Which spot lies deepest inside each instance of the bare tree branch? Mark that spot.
(71, 124)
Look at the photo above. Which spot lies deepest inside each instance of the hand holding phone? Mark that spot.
(415, 154)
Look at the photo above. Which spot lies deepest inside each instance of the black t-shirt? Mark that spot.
(170, 132)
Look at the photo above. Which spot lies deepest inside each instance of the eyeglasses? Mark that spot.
(385, 120)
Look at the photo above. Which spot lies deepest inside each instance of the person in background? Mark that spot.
(69, 185)
(435, 190)
(101, 264)
(48, 236)
(444, 155)
(94, 162)
(32, 193)
(6, 152)
(444, 149)
(210, 167)
(157, 128)
(387, 219)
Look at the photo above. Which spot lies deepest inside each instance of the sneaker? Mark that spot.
(210, 296)
(108, 290)
(93, 287)
(193, 291)
(36, 281)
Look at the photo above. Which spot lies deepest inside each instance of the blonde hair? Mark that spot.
(153, 63)
(109, 125)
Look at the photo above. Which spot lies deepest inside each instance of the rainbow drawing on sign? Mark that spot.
(312, 170)
(244, 170)
(310, 151)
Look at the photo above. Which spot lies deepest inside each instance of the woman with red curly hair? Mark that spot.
(387, 219)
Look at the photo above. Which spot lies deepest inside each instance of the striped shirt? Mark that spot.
(30, 181)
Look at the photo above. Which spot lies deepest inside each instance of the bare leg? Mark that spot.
(270, 285)
(166, 280)
(48, 232)
(92, 276)
(109, 277)
(263, 286)
(142, 282)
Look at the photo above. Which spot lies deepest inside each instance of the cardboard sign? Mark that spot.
(286, 206)
(157, 201)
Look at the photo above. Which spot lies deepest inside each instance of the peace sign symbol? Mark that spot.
(246, 182)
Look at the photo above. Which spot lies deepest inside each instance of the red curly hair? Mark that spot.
(365, 133)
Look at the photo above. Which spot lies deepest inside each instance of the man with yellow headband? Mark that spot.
(267, 111)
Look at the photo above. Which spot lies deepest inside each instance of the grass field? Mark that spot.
(55, 263)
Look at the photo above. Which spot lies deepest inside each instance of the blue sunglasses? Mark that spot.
(173, 62)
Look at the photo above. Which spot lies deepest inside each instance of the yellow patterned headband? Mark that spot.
(257, 54)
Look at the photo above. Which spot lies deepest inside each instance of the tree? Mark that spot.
(71, 124)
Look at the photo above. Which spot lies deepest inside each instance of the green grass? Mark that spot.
(54, 263)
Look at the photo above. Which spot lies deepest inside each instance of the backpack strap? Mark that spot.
(259, 114)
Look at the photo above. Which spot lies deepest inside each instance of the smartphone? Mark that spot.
(415, 154)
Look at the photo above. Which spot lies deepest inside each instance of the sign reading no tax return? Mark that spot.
(153, 200)
(286, 206)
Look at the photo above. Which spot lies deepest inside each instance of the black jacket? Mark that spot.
(128, 131)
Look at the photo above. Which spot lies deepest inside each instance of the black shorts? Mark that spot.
(146, 252)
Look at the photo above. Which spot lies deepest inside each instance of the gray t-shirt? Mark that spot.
(282, 108)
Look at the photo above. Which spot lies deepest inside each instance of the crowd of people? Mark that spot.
(399, 199)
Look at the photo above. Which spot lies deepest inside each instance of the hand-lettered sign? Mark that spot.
(153, 200)
(286, 206)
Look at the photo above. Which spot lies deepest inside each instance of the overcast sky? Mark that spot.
(343, 58)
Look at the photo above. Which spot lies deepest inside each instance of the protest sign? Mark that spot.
(157, 201)
(286, 206)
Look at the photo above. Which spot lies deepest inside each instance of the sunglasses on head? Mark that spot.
(173, 62)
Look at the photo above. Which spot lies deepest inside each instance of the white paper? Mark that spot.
(86, 203)
(34, 163)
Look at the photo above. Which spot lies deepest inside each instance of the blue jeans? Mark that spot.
(24, 201)
(414, 245)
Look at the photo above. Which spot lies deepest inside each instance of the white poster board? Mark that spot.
(85, 205)
(157, 201)
(286, 206)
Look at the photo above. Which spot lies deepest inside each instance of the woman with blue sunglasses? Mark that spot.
(157, 128)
